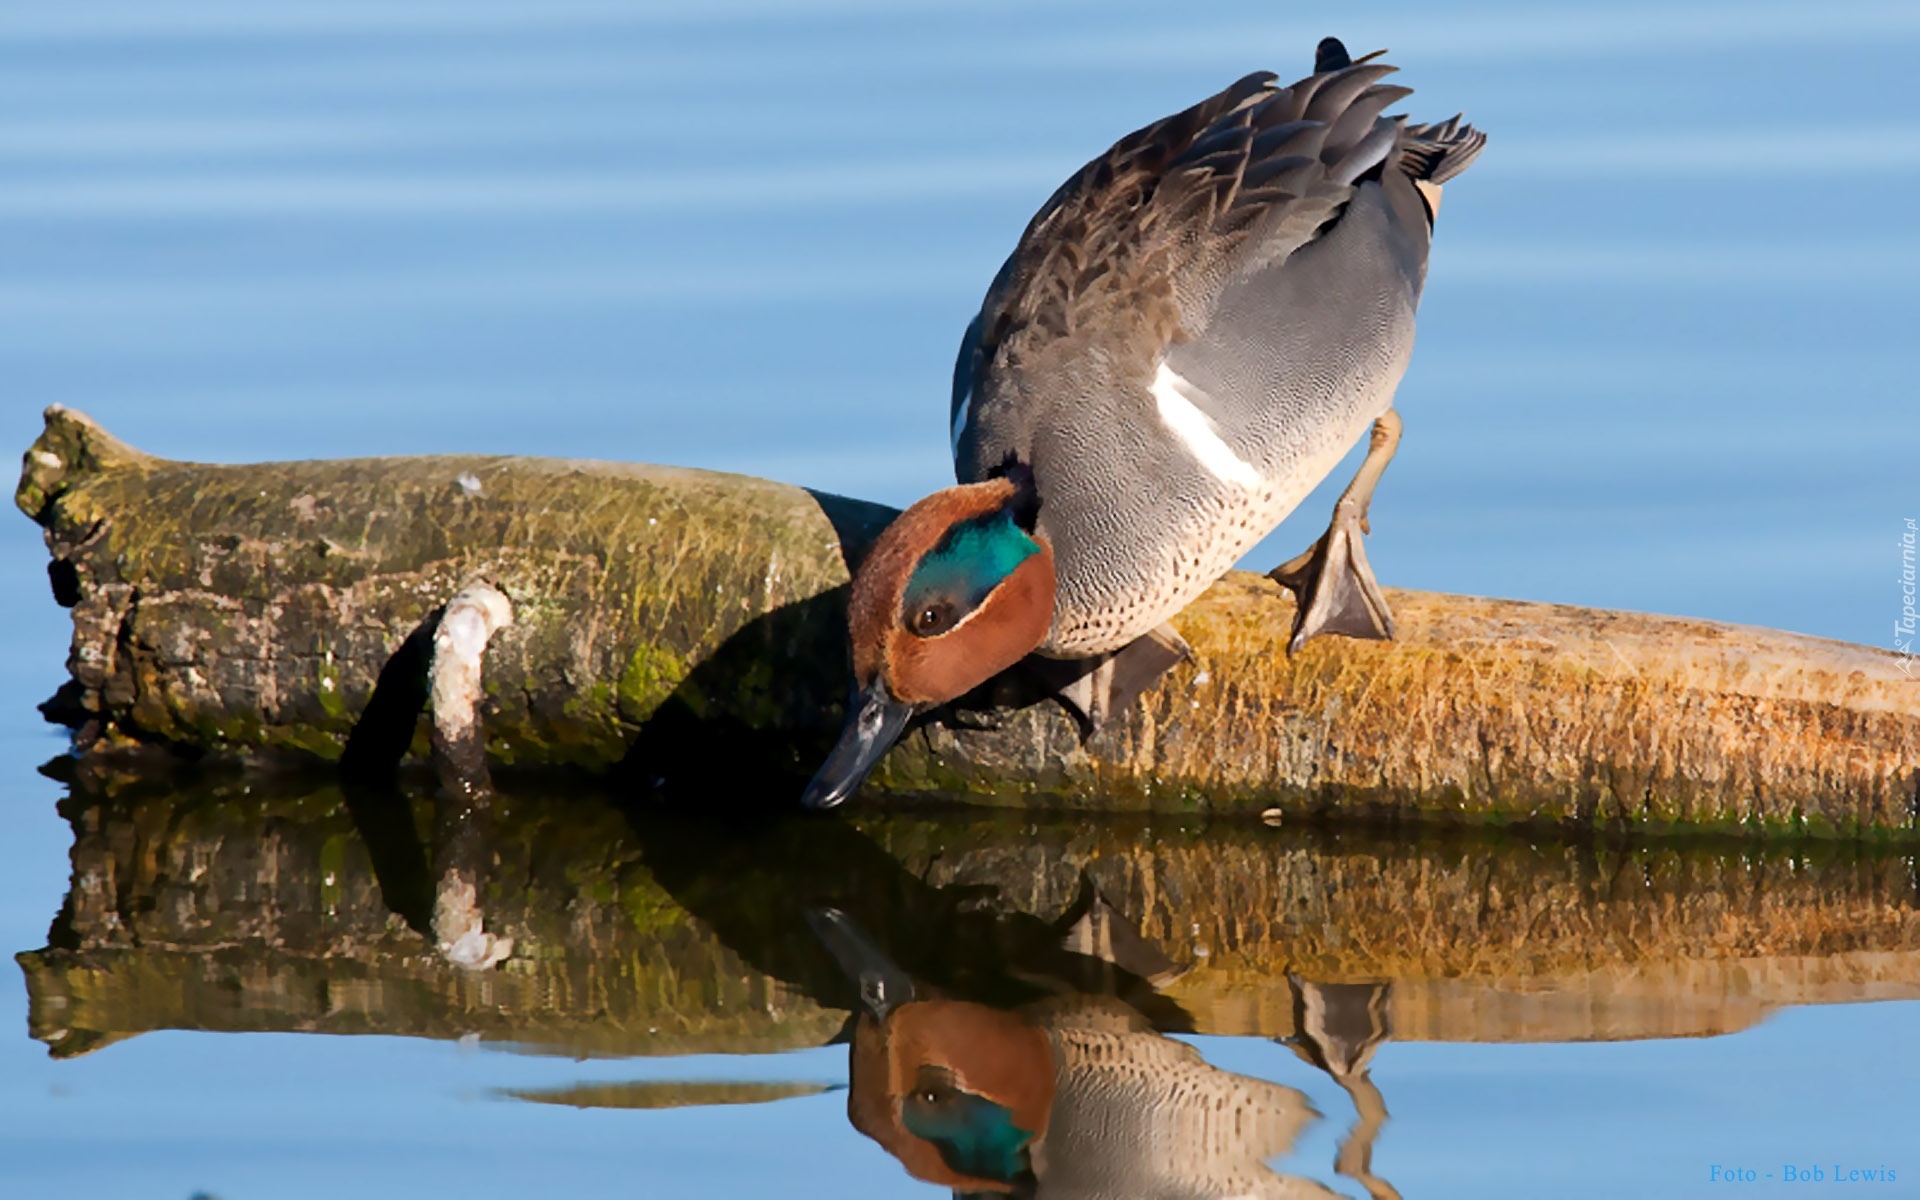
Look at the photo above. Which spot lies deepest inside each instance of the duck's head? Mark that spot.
(956, 590)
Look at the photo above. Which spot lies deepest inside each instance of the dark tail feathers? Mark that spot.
(1435, 152)
(1439, 151)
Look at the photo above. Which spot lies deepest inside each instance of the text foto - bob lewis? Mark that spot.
(1788, 1173)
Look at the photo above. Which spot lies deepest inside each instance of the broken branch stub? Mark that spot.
(454, 688)
(689, 627)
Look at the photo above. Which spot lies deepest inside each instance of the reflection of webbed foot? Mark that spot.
(1332, 581)
(1334, 586)
(1340, 1026)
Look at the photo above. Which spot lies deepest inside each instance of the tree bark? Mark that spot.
(686, 629)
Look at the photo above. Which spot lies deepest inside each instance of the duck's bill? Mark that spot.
(875, 721)
(883, 985)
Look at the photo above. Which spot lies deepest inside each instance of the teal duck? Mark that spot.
(1190, 335)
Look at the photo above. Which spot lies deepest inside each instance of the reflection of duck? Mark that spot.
(1074, 1096)
(1189, 336)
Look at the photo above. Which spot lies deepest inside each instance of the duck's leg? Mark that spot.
(1332, 581)
(1094, 689)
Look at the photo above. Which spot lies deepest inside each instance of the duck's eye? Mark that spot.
(935, 618)
(934, 1088)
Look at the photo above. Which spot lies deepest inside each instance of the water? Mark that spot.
(1660, 368)
(1626, 991)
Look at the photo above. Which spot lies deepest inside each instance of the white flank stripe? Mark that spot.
(960, 419)
(1195, 428)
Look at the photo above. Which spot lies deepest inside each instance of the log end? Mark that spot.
(71, 447)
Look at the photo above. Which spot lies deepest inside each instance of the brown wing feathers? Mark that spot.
(1169, 205)
(1103, 219)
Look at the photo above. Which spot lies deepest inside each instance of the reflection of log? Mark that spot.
(228, 907)
(226, 911)
(682, 622)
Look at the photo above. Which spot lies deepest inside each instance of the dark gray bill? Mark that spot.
(883, 985)
(874, 723)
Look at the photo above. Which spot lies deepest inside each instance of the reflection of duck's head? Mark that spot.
(958, 1092)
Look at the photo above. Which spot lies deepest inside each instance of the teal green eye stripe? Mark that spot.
(970, 561)
(974, 1135)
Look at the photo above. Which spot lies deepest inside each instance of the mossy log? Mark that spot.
(688, 627)
(235, 906)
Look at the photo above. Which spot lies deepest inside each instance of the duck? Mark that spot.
(1075, 1097)
(1188, 337)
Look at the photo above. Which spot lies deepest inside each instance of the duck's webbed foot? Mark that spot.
(1331, 581)
(1095, 689)
(1334, 586)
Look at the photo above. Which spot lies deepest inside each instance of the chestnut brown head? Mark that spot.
(955, 591)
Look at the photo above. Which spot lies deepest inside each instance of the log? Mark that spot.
(229, 905)
(685, 630)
